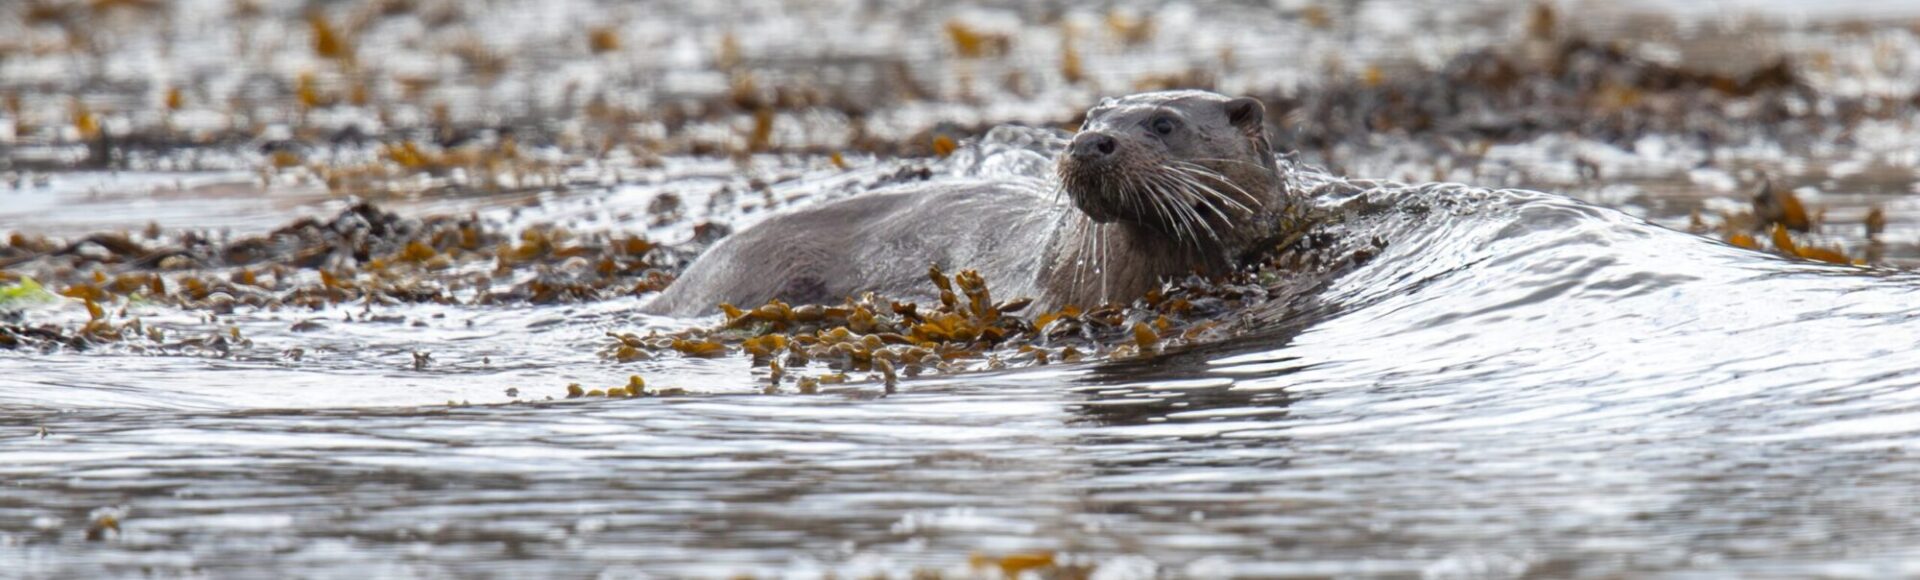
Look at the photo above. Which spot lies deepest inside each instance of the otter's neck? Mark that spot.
(1094, 264)
(1280, 209)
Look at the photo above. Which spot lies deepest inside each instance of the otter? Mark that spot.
(1161, 184)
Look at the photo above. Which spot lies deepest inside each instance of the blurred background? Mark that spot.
(1679, 112)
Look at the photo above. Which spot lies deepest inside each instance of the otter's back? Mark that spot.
(878, 242)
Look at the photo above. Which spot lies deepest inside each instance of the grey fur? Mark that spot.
(877, 242)
(1176, 202)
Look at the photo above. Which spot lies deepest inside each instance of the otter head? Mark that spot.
(1186, 164)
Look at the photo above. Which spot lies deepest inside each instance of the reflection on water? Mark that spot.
(1527, 385)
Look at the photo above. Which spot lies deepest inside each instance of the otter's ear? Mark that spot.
(1247, 113)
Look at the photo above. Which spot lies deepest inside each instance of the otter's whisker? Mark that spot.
(1160, 207)
(1194, 216)
(1216, 177)
(1191, 190)
(1186, 221)
(1083, 255)
(1132, 194)
(1206, 195)
(1213, 198)
(1250, 165)
(1101, 270)
(1225, 160)
(1209, 172)
(1211, 175)
(1183, 218)
(1150, 194)
(1141, 193)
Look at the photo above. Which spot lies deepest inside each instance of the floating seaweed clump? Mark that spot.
(873, 339)
(635, 387)
(1038, 564)
(867, 334)
(105, 327)
(1779, 222)
(363, 255)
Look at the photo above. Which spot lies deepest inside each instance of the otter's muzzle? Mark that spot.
(1092, 146)
(1091, 165)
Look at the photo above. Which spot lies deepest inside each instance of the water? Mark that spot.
(1520, 384)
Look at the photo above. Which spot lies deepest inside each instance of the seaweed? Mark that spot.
(874, 340)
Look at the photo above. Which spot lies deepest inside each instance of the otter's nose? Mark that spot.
(1091, 146)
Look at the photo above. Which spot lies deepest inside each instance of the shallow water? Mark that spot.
(1520, 384)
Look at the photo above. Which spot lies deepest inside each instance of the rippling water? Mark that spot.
(1520, 383)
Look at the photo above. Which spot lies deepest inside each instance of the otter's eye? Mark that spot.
(1163, 126)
